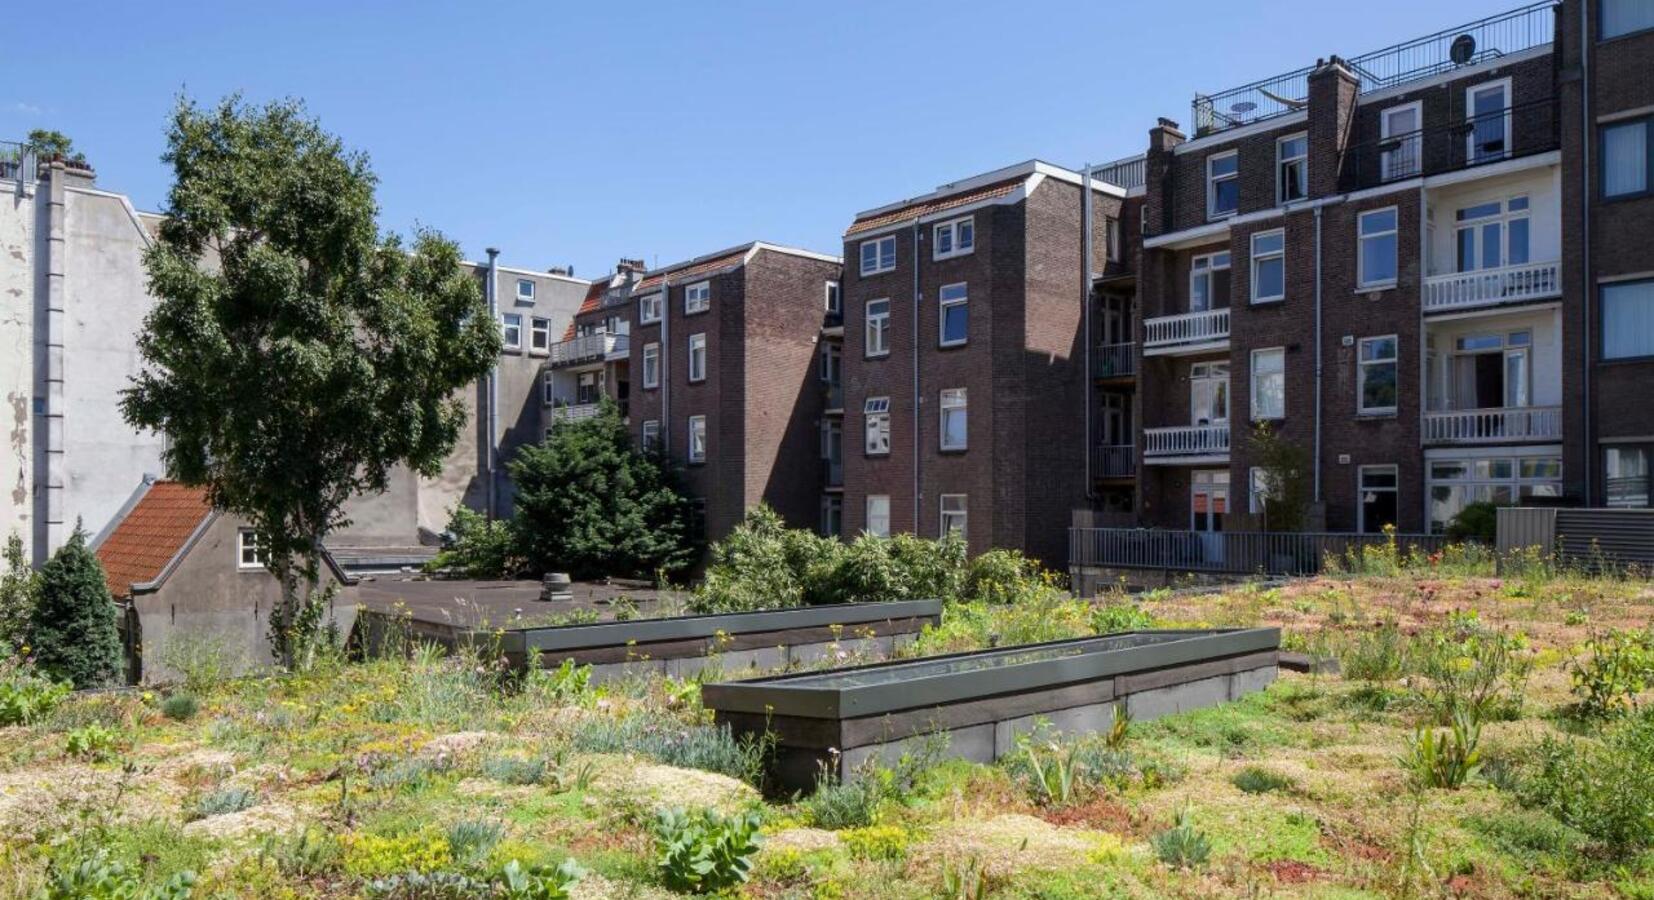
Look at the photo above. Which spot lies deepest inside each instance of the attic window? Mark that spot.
(248, 554)
(525, 289)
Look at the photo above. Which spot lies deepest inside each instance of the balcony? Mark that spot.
(1193, 332)
(1493, 426)
(587, 349)
(1114, 361)
(1516, 131)
(1492, 287)
(564, 412)
(1186, 443)
(1114, 461)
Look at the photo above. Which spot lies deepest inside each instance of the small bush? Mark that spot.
(180, 707)
(839, 805)
(1374, 654)
(477, 547)
(1477, 521)
(92, 742)
(304, 854)
(1471, 669)
(204, 661)
(712, 748)
(887, 842)
(1445, 759)
(26, 696)
(1124, 615)
(19, 589)
(220, 802)
(1620, 666)
(1603, 789)
(568, 683)
(703, 852)
(1182, 846)
(999, 576)
(470, 841)
(97, 877)
(1258, 780)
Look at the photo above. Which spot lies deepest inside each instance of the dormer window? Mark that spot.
(525, 289)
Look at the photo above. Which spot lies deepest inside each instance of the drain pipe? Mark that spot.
(1318, 351)
(491, 414)
(664, 373)
(918, 498)
(1585, 237)
(1086, 237)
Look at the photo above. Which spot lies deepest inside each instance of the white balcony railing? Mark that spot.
(1186, 440)
(571, 413)
(1486, 426)
(1490, 287)
(588, 348)
(1166, 333)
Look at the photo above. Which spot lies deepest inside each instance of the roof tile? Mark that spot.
(939, 204)
(151, 534)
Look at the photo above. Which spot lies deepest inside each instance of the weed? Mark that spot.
(25, 695)
(704, 851)
(966, 881)
(1119, 729)
(470, 840)
(221, 802)
(1604, 789)
(1445, 759)
(92, 742)
(517, 882)
(709, 747)
(304, 854)
(517, 770)
(1620, 666)
(566, 684)
(1124, 615)
(1471, 669)
(97, 877)
(1182, 846)
(1258, 780)
(1374, 655)
(202, 660)
(180, 707)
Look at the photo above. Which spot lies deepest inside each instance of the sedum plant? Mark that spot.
(703, 852)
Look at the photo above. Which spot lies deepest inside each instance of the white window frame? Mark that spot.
(1203, 266)
(1111, 239)
(1212, 184)
(697, 298)
(695, 440)
(1281, 199)
(651, 435)
(697, 357)
(957, 402)
(548, 389)
(880, 265)
(651, 365)
(876, 426)
(247, 551)
(649, 309)
(539, 335)
(511, 323)
(1361, 488)
(833, 301)
(1411, 144)
(1266, 256)
(1470, 93)
(525, 295)
(1256, 380)
(882, 331)
(944, 303)
(1504, 217)
(884, 518)
(1361, 238)
(1362, 364)
(945, 515)
(951, 233)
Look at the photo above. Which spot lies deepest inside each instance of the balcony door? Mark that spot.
(1492, 235)
(1209, 393)
(1490, 371)
(1487, 106)
(1399, 130)
(588, 388)
(1208, 501)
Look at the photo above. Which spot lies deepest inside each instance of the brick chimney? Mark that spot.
(1157, 164)
(634, 266)
(1332, 95)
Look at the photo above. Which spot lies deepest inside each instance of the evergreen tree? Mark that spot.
(19, 585)
(73, 632)
(590, 503)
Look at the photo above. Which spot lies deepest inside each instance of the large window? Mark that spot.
(697, 298)
(511, 325)
(651, 365)
(1377, 377)
(1208, 393)
(1269, 383)
(878, 515)
(955, 315)
(1209, 282)
(539, 334)
(1628, 319)
(1487, 111)
(1625, 475)
(1292, 168)
(1491, 235)
(876, 412)
(878, 255)
(649, 309)
(955, 238)
(1502, 480)
(953, 515)
(1627, 158)
(1400, 126)
(651, 435)
(953, 432)
(1377, 251)
(878, 328)
(1268, 266)
(1222, 184)
(248, 554)
(697, 357)
(1379, 490)
(697, 439)
(1624, 17)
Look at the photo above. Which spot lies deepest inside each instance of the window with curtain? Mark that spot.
(1628, 319)
(1627, 158)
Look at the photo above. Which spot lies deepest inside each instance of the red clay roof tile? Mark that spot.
(939, 204)
(652, 281)
(151, 534)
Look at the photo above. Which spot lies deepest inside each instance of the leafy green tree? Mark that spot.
(1286, 473)
(73, 632)
(19, 586)
(481, 548)
(590, 503)
(48, 145)
(1478, 521)
(295, 355)
(763, 564)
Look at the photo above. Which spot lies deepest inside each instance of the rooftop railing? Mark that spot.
(1486, 39)
(17, 162)
(1128, 173)
(1235, 552)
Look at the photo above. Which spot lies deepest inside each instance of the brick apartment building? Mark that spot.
(715, 361)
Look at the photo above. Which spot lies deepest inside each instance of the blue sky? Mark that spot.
(579, 133)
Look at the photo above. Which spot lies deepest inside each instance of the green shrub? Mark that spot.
(1182, 846)
(26, 696)
(204, 661)
(1477, 521)
(1374, 654)
(900, 567)
(470, 840)
(887, 842)
(1445, 759)
(1125, 615)
(478, 547)
(220, 802)
(73, 632)
(97, 877)
(999, 576)
(704, 851)
(19, 590)
(517, 882)
(1603, 789)
(1471, 669)
(763, 564)
(93, 742)
(1619, 667)
(180, 707)
(837, 805)
(1258, 780)
(568, 683)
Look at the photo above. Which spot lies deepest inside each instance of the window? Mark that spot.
(697, 357)
(832, 515)
(651, 365)
(1111, 240)
(1625, 475)
(1378, 498)
(1261, 491)
(1491, 235)
(248, 554)
(548, 391)
(1222, 184)
(1624, 17)
(1628, 319)
(953, 419)
(512, 325)
(876, 412)
(697, 298)
(1292, 168)
(588, 388)
(955, 238)
(1627, 158)
(1209, 282)
(1377, 250)
(1269, 383)
(539, 335)
(878, 255)
(1376, 376)
(649, 309)
(832, 452)
(832, 300)
(878, 515)
(878, 328)
(1487, 110)
(831, 363)
(525, 289)
(1400, 127)
(1208, 393)
(1268, 266)
(697, 439)
(651, 436)
(953, 515)
(1498, 477)
(956, 316)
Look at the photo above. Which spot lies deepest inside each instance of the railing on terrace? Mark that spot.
(587, 348)
(1186, 440)
(1236, 552)
(1201, 327)
(1113, 461)
(569, 413)
(1515, 131)
(1492, 287)
(1486, 426)
(1114, 360)
(1524, 28)
(17, 162)
(1128, 173)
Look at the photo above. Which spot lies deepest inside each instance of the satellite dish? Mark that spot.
(1463, 49)
(1243, 107)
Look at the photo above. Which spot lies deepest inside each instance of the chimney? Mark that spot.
(1332, 95)
(1157, 163)
(630, 265)
(560, 270)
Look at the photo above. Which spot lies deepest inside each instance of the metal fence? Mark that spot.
(1594, 540)
(1127, 173)
(17, 162)
(1235, 552)
(1521, 129)
(1114, 360)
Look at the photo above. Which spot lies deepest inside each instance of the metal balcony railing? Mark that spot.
(1186, 440)
(1113, 461)
(1491, 287)
(570, 412)
(17, 162)
(1272, 553)
(1114, 360)
(1203, 327)
(1496, 36)
(1128, 173)
(1487, 426)
(587, 349)
(1520, 130)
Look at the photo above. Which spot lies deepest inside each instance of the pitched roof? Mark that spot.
(592, 303)
(929, 205)
(151, 534)
(693, 268)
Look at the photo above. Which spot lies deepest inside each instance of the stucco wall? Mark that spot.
(17, 303)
